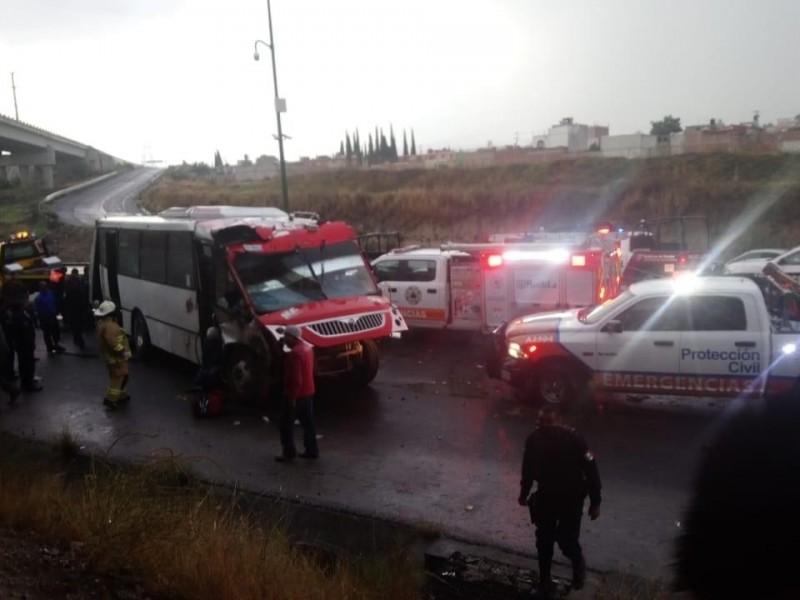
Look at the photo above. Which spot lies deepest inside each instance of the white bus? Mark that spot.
(249, 272)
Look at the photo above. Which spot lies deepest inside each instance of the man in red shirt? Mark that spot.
(298, 401)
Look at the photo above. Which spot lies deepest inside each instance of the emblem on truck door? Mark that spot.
(413, 294)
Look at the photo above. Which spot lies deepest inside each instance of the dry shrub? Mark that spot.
(185, 540)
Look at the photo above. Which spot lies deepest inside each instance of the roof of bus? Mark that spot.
(204, 227)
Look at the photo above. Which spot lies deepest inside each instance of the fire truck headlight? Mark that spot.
(789, 348)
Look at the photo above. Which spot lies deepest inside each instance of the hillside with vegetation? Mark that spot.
(753, 199)
(750, 200)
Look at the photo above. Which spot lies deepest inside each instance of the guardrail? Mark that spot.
(75, 188)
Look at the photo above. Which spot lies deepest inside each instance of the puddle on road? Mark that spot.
(463, 576)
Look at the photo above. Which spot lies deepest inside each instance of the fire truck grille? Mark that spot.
(336, 327)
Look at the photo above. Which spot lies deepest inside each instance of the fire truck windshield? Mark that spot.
(278, 281)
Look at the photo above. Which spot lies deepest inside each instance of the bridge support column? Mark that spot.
(33, 167)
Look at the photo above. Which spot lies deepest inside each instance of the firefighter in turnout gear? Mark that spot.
(557, 458)
(115, 351)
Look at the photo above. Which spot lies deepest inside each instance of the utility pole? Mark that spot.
(14, 91)
(280, 106)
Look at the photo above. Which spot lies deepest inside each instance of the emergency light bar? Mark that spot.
(20, 235)
(557, 255)
(494, 260)
(578, 260)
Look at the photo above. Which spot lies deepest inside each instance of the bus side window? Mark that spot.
(179, 260)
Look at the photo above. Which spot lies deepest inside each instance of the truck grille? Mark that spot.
(336, 327)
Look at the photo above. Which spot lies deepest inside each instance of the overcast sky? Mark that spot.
(175, 80)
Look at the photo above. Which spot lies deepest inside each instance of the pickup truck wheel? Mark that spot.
(554, 385)
(140, 336)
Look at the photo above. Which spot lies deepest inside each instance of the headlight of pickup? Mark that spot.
(521, 351)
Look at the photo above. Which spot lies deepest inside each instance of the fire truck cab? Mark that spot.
(481, 286)
(662, 247)
(432, 287)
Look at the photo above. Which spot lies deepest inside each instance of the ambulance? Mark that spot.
(481, 286)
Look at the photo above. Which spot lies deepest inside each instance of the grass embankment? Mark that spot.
(431, 206)
(20, 210)
(180, 538)
(158, 525)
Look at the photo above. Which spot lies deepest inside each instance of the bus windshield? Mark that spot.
(278, 281)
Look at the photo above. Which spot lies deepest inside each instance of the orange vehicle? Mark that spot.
(26, 257)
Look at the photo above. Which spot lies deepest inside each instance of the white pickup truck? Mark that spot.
(688, 336)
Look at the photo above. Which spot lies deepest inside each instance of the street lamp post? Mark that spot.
(280, 106)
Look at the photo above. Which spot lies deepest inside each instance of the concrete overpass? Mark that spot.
(30, 154)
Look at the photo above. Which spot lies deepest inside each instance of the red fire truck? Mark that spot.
(661, 247)
(480, 286)
(249, 272)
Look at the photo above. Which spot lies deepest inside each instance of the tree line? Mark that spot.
(378, 148)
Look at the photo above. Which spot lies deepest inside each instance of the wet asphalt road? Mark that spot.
(119, 194)
(432, 440)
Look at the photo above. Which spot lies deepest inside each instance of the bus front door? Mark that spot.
(109, 283)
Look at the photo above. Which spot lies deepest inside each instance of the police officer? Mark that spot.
(557, 458)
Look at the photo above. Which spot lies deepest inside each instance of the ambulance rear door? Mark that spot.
(466, 310)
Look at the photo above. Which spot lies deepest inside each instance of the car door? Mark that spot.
(638, 349)
(721, 353)
(417, 286)
(422, 291)
(387, 272)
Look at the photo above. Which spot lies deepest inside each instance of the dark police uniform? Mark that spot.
(557, 458)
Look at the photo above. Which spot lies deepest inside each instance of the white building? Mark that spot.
(632, 145)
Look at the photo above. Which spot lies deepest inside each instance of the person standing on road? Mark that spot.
(47, 313)
(22, 336)
(298, 401)
(115, 352)
(6, 384)
(558, 459)
(76, 307)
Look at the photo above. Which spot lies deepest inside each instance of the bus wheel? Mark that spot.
(140, 336)
(553, 385)
(243, 375)
(367, 368)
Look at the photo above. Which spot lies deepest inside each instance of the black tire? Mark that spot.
(140, 336)
(367, 369)
(245, 376)
(554, 385)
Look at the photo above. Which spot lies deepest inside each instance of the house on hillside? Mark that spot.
(265, 167)
(571, 136)
(631, 145)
